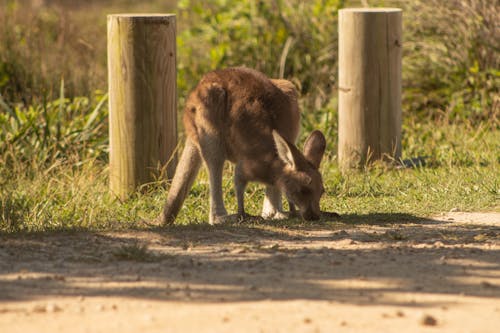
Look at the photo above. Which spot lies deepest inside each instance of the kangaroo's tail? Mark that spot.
(185, 174)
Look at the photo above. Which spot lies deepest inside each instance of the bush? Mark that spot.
(452, 60)
(42, 42)
(291, 39)
(40, 45)
(52, 132)
(451, 63)
(287, 38)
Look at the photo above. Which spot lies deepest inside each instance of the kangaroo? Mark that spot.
(240, 115)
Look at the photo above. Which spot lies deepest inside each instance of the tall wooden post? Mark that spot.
(142, 99)
(370, 42)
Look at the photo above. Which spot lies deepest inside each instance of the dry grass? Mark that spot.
(43, 42)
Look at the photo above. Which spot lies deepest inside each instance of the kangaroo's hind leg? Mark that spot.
(185, 174)
(214, 157)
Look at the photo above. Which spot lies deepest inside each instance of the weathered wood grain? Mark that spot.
(370, 43)
(142, 99)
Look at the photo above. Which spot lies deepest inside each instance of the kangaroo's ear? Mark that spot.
(314, 148)
(284, 151)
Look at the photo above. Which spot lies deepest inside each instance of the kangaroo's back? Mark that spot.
(243, 107)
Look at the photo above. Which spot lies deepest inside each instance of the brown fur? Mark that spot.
(240, 115)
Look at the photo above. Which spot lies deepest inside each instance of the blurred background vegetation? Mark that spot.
(53, 58)
(53, 75)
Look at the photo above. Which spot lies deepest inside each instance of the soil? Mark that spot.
(375, 273)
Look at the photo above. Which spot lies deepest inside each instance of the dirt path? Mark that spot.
(384, 274)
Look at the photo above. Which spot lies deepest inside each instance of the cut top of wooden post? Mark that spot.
(165, 19)
(143, 16)
(371, 10)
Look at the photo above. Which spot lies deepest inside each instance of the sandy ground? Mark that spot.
(390, 274)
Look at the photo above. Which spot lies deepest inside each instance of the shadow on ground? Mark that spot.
(369, 259)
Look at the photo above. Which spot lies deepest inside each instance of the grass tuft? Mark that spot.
(135, 252)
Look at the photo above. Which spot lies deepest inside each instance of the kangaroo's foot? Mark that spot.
(159, 221)
(275, 215)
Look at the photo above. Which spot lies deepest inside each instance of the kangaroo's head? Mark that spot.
(301, 180)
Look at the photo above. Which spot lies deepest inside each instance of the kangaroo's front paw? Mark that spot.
(159, 221)
(275, 215)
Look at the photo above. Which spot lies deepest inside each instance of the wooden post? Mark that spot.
(142, 99)
(370, 41)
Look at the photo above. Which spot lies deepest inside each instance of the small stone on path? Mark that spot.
(428, 320)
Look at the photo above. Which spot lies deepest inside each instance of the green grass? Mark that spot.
(53, 111)
(462, 171)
